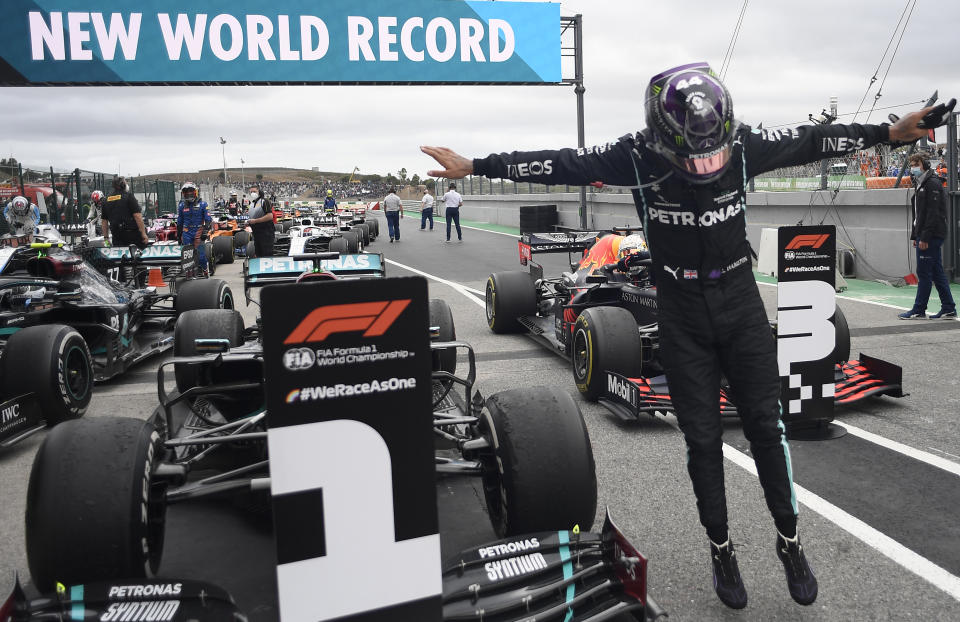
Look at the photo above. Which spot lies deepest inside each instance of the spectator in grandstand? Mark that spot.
(453, 201)
(121, 217)
(929, 230)
(261, 223)
(393, 210)
(426, 210)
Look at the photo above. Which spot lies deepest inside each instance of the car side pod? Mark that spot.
(138, 599)
(572, 575)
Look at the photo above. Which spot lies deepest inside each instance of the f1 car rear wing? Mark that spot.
(161, 254)
(263, 271)
(557, 575)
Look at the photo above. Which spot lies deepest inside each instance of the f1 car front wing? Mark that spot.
(628, 398)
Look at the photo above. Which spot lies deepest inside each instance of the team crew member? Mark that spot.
(690, 169)
(393, 210)
(929, 230)
(330, 203)
(452, 201)
(261, 223)
(233, 205)
(121, 218)
(426, 210)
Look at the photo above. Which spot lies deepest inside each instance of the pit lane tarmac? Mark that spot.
(878, 523)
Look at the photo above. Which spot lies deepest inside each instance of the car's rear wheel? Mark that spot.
(240, 239)
(374, 226)
(353, 241)
(441, 317)
(509, 296)
(362, 233)
(251, 250)
(52, 362)
(223, 249)
(604, 339)
(539, 473)
(94, 511)
(203, 294)
(339, 245)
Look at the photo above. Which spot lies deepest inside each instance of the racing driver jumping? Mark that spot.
(690, 168)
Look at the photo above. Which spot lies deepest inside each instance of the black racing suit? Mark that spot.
(711, 316)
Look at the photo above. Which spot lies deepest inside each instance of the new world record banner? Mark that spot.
(114, 42)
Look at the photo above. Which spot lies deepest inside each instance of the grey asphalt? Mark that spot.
(641, 470)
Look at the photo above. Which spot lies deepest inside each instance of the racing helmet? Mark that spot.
(632, 244)
(189, 192)
(689, 113)
(233, 195)
(329, 193)
(96, 197)
(19, 206)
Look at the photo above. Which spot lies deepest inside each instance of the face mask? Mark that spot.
(916, 171)
(254, 196)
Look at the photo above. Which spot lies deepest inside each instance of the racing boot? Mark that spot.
(800, 579)
(726, 575)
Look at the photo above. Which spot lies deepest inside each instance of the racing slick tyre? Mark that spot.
(353, 241)
(339, 245)
(509, 295)
(203, 294)
(211, 258)
(529, 484)
(363, 234)
(94, 511)
(223, 249)
(240, 239)
(374, 225)
(604, 339)
(278, 227)
(442, 317)
(53, 363)
(841, 352)
(202, 324)
(285, 225)
(251, 250)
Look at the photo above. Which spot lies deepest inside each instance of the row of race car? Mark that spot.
(299, 230)
(99, 487)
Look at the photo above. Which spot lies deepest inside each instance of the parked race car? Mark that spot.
(603, 318)
(64, 324)
(127, 470)
(307, 238)
(163, 228)
(229, 238)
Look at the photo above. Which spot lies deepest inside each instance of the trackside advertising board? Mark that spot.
(115, 42)
(350, 434)
(806, 337)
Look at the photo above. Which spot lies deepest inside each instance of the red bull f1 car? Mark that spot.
(602, 317)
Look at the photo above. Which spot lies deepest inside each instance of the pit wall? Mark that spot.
(875, 222)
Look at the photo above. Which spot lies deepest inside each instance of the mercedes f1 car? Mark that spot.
(602, 317)
(64, 324)
(310, 237)
(104, 517)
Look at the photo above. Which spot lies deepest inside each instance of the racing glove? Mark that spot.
(636, 259)
(938, 116)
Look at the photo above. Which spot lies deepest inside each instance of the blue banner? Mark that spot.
(283, 42)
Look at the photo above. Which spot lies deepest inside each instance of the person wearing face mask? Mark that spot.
(929, 230)
(261, 223)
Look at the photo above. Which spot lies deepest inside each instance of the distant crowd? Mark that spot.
(306, 190)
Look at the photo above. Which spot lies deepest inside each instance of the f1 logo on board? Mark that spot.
(808, 241)
(374, 318)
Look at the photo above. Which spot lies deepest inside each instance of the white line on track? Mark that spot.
(457, 286)
(940, 451)
(441, 218)
(916, 454)
(887, 546)
(915, 563)
(867, 302)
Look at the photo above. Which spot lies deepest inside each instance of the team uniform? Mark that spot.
(118, 210)
(191, 220)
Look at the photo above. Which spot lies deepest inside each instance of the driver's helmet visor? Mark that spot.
(703, 164)
(189, 195)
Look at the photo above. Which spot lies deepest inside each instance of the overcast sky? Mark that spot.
(789, 59)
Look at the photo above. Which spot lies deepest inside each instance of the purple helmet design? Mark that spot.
(690, 115)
